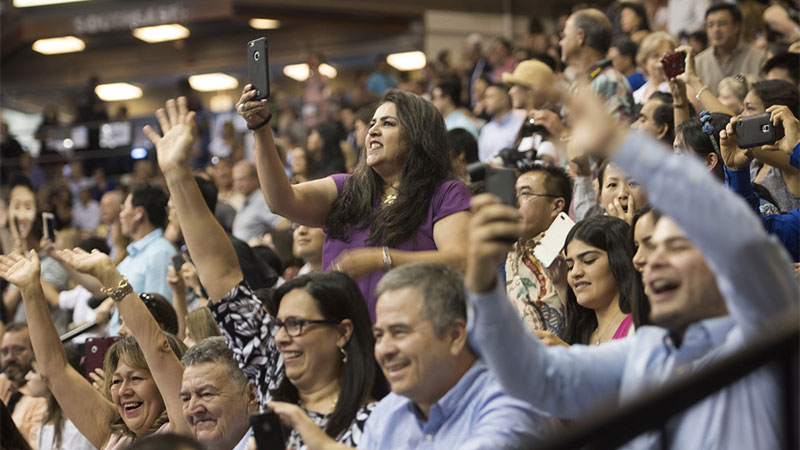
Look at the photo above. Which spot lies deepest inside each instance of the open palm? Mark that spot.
(20, 270)
(179, 128)
(95, 263)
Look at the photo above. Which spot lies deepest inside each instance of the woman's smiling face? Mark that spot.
(136, 396)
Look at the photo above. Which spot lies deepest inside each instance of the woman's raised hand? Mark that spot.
(179, 128)
(253, 111)
(96, 263)
(20, 270)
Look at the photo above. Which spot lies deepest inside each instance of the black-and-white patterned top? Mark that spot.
(247, 328)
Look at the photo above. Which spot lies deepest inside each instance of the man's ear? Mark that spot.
(457, 333)
(556, 206)
(580, 36)
(663, 129)
(252, 398)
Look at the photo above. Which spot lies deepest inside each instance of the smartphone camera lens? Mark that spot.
(257, 56)
(765, 128)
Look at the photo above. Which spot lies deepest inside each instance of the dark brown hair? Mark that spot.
(423, 134)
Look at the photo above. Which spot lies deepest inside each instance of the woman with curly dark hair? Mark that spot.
(402, 203)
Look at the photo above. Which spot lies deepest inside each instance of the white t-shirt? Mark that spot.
(77, 300)
(71, 438)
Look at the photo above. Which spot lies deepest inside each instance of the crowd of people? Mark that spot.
(358, 275)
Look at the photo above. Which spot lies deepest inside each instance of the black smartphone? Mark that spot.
(754, 131)
(177, 262)
(49, 225)
(501, 182)
(674, 64)
(95, 352)
(268, 431)
(258, 67)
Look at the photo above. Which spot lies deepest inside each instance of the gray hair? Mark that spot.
(442, 289)
(215, 350)
(596, 27)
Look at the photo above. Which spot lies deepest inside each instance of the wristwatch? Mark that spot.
(118, 293)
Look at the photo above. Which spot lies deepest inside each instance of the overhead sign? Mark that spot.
(129, 19)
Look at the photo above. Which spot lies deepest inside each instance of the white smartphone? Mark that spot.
(553, 240)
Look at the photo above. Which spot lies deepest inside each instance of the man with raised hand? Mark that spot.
(713, 290)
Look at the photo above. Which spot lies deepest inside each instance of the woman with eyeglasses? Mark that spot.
(313, 352)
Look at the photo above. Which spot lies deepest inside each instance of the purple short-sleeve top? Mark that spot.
(450, 197)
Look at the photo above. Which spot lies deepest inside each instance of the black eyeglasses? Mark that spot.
(294, 326)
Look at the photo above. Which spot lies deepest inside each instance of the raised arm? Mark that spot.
(753, 271)
(243, 322)
(164, 365)
(306, 203)
(211, 250)
(569, 381)
(82, 404)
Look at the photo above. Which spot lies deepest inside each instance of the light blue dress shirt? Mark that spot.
(754, 275)
(145, 267)
(498, 134)
(457, 119)
(474, 414)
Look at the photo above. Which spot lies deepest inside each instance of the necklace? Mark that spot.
(333, 399)
(388, 199)
(606, 329)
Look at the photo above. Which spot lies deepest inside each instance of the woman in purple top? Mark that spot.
(402, 203)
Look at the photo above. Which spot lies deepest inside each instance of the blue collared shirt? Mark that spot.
(754, 275)
(145, 267)
(474, 414)
(498, 134)
(457, 119)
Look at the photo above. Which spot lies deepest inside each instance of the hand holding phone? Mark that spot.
(177, 262)
(674, 64)
(553, 240)
(758, 130)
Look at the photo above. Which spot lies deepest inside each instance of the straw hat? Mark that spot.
(530, 73)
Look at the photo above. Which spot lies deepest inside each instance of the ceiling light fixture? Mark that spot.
(301, 72)
(30, 3)
(53, 46)
(298, 72)
(117, 91)
(210, 82)
(328, 71)
(407, 61)
(265, 24)
(161, 33)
